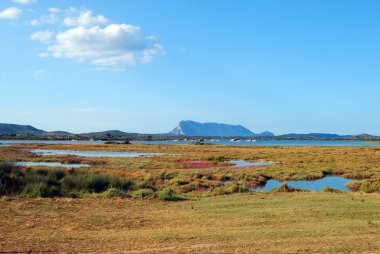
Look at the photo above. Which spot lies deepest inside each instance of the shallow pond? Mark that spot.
(244, 163)
(316, 185)
(91, 153)
(51, 164)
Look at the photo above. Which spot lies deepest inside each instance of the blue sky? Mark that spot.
(142, 66)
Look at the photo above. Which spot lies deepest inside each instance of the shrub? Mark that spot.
(54, 183)
(56, 174)
(10, 178)
(368, 186)
(114, 192)
(285, 188)
(217, 158)
(74, 183)
(218, 191)
(178, 181)
(142, 193)
(41, 189)
(328, 171)
(121, 182)
(328, 189)
(96, 183)
(354, 186)
(167, 194)
(85, 182)
(145, 184)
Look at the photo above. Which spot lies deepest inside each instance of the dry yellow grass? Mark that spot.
(249, 223)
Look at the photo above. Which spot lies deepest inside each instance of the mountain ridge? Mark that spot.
(192, 128)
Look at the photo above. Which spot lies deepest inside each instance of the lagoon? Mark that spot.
(51, 164)
(316, 185)
(244, 163)
(91, 153)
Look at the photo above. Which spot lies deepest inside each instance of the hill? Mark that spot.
(315, 136)
(9, 129)
(111, 133)
(191, 128)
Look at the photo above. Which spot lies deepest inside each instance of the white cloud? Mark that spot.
(51, 18)
(11, 13)
(114, 47)
(24, 1)
(53, 10)
(42, 36)
(85, 19)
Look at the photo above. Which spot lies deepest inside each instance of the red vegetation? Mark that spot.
(197, 164)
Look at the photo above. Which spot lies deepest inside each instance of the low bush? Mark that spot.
(368, 186)
(332, 190)
(354, 186)
(114, 192)
(142, 193)
(57, 182)
(94, 183)
(285, 188)
(10, 178)
(167, 194)
(41, 189)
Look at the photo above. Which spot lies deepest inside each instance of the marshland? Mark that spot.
(189, 198)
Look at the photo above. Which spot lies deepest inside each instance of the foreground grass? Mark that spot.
(245, 223)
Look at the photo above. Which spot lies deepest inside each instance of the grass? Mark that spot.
(123, 206)
(59, 183)
(243, 223)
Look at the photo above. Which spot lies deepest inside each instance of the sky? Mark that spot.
(290, 66)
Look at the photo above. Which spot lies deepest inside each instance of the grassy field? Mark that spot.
(240, 223)
(206, 221)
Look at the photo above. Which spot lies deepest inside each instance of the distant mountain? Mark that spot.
(61, 133)
(12, 129)
(265, 134)
(9, 129)
(112, 133)
(364, 136)
(191, 128)
(315, 135)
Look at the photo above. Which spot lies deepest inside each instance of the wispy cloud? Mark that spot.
(11, 13)
(42, 36)
(85, 18)
(24, 1)
(51, 18)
